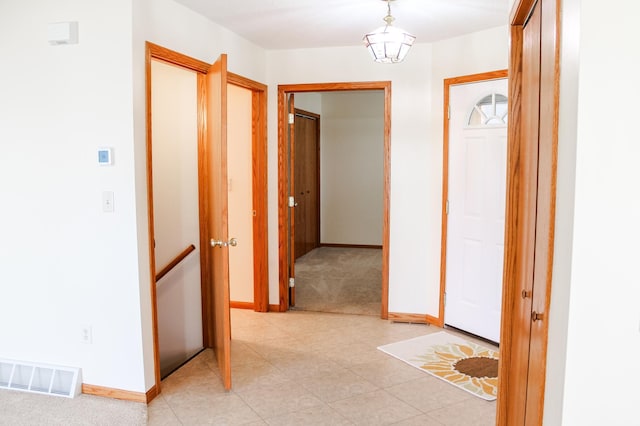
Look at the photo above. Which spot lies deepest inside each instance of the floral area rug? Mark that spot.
(464, 364)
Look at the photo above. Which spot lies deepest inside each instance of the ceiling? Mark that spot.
(291, 24)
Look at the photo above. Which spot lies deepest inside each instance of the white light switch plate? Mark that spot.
(107, 201)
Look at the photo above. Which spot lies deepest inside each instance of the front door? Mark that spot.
(476, 203)
(215, 177)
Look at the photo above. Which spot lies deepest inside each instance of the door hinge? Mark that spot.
(445, 299)
(292, 282)
(449, 112)
(446, 207)
(292, 118)
(292, 201)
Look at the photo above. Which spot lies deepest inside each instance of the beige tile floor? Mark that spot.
(306, 368)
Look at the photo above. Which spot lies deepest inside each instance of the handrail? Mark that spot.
(179, 258)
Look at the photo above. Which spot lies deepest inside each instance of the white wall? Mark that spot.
(603, 318)
(240, 174)
(351, 167)
(416, 146)
(64, 262)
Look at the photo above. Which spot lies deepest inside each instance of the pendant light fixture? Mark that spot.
(388, 44)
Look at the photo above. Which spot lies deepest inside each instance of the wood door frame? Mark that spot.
(283, 195)
(317, 171)
(259, 162)
(259, 173)
(448, 82)
(517, 251)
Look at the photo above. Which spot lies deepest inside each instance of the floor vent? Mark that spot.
(40, 378)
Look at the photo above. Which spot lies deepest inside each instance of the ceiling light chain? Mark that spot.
(388, 44)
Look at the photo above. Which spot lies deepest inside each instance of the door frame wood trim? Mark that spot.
(259, 114)
(283, 91)
(448, 82)
(259, 184)
(516, 251)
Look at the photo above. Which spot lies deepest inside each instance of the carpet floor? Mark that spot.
(340, 280)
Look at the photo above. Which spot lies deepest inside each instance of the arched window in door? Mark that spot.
(491, 110)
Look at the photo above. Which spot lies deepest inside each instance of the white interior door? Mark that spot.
(475, 223)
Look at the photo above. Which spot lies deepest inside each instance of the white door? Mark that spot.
(475, 223)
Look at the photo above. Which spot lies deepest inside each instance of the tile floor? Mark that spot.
(306, 368)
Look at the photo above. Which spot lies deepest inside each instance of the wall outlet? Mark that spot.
(86, 334)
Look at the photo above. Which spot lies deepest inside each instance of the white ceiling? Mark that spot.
(289, 24)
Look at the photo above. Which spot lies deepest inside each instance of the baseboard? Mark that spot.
(119, 393)
(412, 318)
(434, 321)
(350, 245)
(242, 305)
(275, 308)
(152, 393)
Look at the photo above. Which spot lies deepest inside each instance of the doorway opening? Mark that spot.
(209, 98)
(331, 239)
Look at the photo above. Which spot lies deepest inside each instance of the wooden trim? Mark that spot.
(386, 200)
(170, 56)
(448, 82)
(149, 55)
(206, 267)
(412, 318)
(292, 191)
(152, 393)
(259, 188)
(241, 305)
(283, 202)
(274, 308)
(512, 407)
(369, 246)
(240, 81)
(179, 258)
(283, 90)
(119, 393)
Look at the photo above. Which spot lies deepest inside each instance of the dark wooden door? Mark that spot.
(306, 182)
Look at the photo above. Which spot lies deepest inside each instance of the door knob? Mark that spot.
(216, 243)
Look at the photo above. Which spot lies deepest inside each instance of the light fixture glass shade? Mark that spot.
(388, 44)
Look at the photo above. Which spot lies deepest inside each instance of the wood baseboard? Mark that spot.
(438, 322)
(242, 305)
(412, 318)
(275, 308)
(119, 393)
(350, 245)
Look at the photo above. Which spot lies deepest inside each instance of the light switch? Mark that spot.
(107, 201)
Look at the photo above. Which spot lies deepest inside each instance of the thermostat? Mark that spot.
(105, 156)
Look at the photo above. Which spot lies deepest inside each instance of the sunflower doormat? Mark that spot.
(465, 364)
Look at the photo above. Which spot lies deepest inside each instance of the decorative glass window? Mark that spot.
(489, 111)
